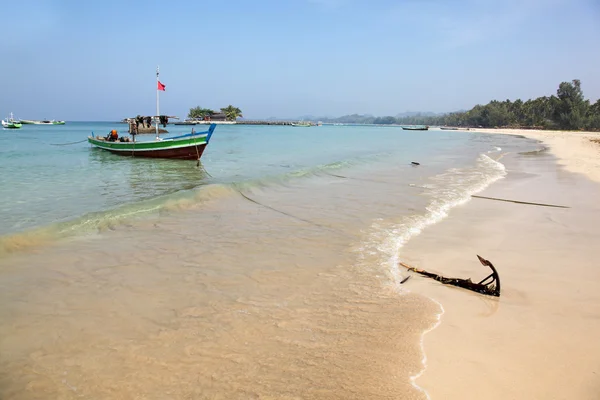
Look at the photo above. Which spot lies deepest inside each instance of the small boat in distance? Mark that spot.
(44, 122)
(189, 146)
(453, 128)
(11, 123)
(302, 124)
(415, 128)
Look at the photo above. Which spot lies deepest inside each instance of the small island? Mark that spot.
(200, 115)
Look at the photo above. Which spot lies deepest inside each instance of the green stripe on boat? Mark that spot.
(153, 145)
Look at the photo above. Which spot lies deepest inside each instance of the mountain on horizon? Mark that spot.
(417, 114)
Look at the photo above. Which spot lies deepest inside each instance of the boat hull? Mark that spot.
(186, 147)
(181, 153)
(33, 122)
(11, 125)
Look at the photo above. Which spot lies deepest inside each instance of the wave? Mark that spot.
(539, 151)
(446, 191)
(183, 200)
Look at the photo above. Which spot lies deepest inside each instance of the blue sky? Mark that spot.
(96, 60)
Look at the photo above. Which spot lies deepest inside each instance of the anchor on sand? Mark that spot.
(490, 285)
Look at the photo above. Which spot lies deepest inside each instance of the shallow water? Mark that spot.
(271, 274)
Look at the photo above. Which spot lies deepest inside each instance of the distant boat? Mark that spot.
(415, 128)
(44, 122)
(11, 123)
(302, 124)
(452, 128)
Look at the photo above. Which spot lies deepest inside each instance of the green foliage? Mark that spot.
(199, 112)
(355, 119)
(232, 113)
(384, 120)
(593, 116)
(567, 110)
(571, 108)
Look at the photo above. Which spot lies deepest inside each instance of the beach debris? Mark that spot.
(415, 163)
(519, 202)
(490, 285)
(404, 280)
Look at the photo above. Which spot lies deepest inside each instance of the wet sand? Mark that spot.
(228, 301)
(539, 340)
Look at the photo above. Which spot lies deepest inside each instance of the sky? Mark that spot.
(96, 60)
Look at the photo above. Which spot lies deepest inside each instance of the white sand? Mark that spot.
(574, 150)
(540, 339)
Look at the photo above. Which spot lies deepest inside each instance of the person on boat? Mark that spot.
(112, 136)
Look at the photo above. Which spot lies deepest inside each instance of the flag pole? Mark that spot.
(157, 108)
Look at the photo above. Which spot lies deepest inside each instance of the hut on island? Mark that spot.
(219, 116)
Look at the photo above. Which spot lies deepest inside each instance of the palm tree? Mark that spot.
(231, 113)
(199, 112)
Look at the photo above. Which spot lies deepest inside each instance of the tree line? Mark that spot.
(567, 110)
(231, 113)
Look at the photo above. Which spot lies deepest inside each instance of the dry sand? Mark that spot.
(539, 340)
(576, 151)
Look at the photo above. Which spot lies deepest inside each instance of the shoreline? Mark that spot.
(574, 150)
(517, 346)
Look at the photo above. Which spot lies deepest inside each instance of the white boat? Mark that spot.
(44, 122)
(11, 123)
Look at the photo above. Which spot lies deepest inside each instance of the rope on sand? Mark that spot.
(519, 202)
(66, 144)
(356, 179)
(373, 180)
(292, 216)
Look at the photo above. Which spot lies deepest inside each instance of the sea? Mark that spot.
(268, 271)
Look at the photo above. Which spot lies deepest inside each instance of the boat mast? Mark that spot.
(157, 108)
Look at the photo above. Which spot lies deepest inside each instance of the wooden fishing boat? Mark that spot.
(11, 123)
(189, 146)
(415, 128)
(183, 147)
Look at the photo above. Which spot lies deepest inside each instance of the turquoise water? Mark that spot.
(49, 178)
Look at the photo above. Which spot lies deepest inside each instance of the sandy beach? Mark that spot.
(576, 151)
(296, 293)
(539, 339)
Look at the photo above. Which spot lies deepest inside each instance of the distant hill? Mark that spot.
(416, 114)
(370, 119)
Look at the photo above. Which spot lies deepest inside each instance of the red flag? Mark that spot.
(161, 86)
